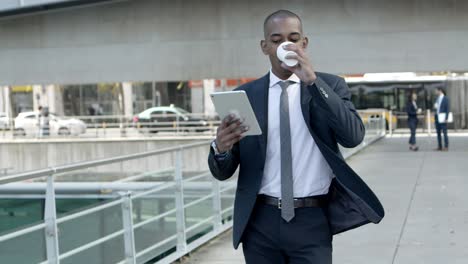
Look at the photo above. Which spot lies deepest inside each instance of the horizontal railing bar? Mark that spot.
(60, 196)
(227, 209)
(88, 211)
(98, 196)
(198, 201)
(113, 203)
(228, 188)
(21, 232)
(146, 174)
(146, 250)
(204, 221)
(91, 244)
(95, 196)
(93, 187)
(153, 190)
(206, 174)
(155, 218)
(77, 187)
(83, 165)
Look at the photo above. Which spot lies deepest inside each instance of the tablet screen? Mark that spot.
(237, 103)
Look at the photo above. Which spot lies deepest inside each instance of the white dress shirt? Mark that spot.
(439, 102)
(311, 173)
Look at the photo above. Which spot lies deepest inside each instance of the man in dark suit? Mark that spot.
(441, 106)
(294, 190)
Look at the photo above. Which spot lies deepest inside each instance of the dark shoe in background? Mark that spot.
(414, 148)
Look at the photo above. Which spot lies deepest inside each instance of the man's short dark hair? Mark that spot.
(280, 14)
(441, 89)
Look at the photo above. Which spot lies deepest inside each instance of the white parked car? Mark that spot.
(4, 121)
(27, 124)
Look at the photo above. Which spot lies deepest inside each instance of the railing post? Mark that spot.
(129, 237)
(96, 127)
(390, 123)
(177, 124)
(384, 131)
(123, 131)
(218, 218)
(179, 202)
(428, 122)
(50, 219)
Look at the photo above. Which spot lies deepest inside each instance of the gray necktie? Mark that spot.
(287, 198)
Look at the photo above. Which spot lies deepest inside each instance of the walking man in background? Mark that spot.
(294, 190)
(441, 118)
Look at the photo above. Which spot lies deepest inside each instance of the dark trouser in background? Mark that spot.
(412, 124)
(441, 127)
(268, 239)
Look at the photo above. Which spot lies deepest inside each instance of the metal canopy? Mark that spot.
(10, 8)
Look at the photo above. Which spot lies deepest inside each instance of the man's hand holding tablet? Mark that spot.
(238, 119)
(229, 132)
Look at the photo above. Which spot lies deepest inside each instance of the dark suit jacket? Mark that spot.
(331, 119)
(411, 111)
(443, 108)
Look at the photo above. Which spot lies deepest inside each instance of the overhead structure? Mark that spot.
(11, 8)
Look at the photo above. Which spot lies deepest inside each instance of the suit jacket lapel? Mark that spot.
(305, 106)
(260, 107)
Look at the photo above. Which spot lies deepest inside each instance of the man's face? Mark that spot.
(277, 31)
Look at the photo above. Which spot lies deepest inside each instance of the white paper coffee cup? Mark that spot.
(281, 53)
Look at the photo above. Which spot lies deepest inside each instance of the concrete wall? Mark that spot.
(32, 155)
(183, 40)
(457, 92)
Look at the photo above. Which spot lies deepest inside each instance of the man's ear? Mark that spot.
(305, 43)
(263, 45)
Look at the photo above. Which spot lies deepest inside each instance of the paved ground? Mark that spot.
(425, 200)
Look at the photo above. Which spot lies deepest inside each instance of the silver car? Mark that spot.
(27, 124)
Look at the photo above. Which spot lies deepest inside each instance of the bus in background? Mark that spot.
(385, 92)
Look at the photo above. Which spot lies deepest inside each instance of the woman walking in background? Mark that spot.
(413, 111)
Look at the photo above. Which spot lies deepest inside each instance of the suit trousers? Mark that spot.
(412, 124)
(269, 239)
(442, 127)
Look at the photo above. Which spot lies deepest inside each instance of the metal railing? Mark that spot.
(219, 221)
(156, 123)
(179, 240)
(112, 126)
(120, 126)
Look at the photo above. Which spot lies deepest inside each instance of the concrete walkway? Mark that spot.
(425, 195)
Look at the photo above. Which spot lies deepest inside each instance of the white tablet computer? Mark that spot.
(237, 103)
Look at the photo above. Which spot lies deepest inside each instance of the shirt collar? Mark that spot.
(439, 99)
(275, 79)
